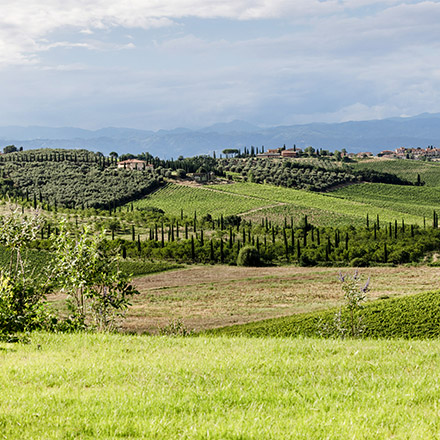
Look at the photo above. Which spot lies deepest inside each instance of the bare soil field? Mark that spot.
(214, 296)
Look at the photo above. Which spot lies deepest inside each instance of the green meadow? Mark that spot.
(107, 386)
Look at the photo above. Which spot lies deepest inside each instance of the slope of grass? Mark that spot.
(407, 199)
(407, 169)
(413, 316)
(85, 386)
(172, 198)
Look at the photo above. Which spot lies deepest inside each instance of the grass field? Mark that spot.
(100, 386)
(207, 297)
(408, 199)
(407, 169)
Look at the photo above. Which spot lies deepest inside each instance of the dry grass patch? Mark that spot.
(207, 297)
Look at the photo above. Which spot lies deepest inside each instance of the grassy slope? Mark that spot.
(407, 199)
(109, 386)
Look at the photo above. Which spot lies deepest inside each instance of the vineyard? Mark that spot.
(408, 169)
(353, 211)
(173, 198)
(406, 199)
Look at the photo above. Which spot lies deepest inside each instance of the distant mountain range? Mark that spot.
(355, 136)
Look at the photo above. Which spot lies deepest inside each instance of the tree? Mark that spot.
(114, 155)
(98, 293)
(9, 149)
(248, 256)
(229, 151)
(21, 290)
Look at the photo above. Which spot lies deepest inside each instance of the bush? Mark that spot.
(248, 256)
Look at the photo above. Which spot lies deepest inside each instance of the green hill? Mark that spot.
(414, 316)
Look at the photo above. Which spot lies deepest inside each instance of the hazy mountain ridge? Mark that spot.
(374, 135)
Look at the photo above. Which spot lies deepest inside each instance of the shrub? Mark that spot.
(248, 256)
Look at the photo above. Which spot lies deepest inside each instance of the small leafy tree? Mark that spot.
(347, 321)
(21, 291)
(354, 296)
(98, 292)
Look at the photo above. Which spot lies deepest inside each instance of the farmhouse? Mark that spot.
(134, 164)
(203, 177)
(290, 153)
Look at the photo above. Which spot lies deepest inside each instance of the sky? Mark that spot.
(152, 64)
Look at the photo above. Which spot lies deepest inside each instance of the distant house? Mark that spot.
(203, 177)
(268, 155)
(386, 154)
(364, 154)
(274, 151)
(290, 153)
(134, 164)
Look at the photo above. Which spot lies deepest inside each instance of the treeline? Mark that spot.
(153, 235)
(309, 176)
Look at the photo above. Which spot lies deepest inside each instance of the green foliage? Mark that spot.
(98, 292)
(74, 179)
(314, 176)
(248, 256)
(414, 316)
(21, 292)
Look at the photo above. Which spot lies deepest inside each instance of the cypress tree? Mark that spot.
(193, 251)
(186, 231)
(221, 251)
(211, 257)
(286, 244)
(139, 244)
(201, 237)
(395, 229)
(124, 252)
(385, 252)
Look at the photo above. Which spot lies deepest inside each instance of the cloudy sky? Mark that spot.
(169, 63)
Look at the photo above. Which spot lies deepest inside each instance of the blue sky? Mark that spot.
(150, 64)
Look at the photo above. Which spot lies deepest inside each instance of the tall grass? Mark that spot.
(87, 386)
